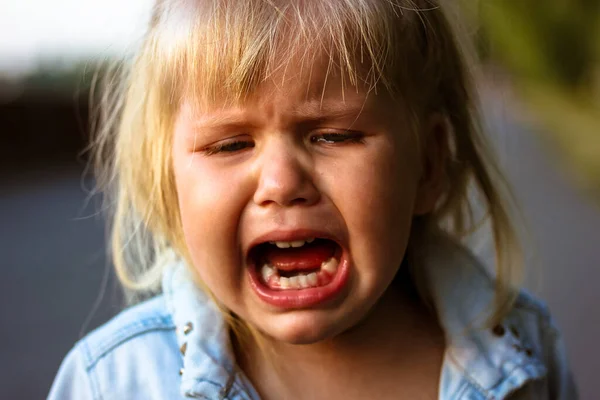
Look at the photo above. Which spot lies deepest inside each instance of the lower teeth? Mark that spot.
(271, 278)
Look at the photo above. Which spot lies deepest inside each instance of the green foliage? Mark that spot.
(552, 50)
(555, 41)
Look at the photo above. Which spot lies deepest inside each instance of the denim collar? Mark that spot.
(209, 370)
(492, 360)
(496, 360)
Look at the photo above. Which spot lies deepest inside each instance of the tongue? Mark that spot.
(309, 256)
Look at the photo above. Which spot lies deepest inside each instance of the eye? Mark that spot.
(232, 146)
(338, 137)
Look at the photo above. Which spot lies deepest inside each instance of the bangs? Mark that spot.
(223, 50)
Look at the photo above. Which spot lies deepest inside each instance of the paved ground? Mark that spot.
(563, 255)
(564, 228)
(53, 268)
(53, 264)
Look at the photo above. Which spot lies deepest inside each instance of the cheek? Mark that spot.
(376, 195)
(210, 212)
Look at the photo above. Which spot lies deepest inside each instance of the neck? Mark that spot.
(397, 331)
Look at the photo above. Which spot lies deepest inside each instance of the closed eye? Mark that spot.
(328, 138)
(337, 137)
(228, 147)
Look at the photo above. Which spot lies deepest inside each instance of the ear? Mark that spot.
(434, 154)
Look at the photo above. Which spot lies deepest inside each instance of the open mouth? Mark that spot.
(300, 273)
(295, 265)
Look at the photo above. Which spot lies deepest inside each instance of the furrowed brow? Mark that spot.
(310, 111)
(221, 120)
(332, 110)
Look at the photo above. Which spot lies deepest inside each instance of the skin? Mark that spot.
(285, 173)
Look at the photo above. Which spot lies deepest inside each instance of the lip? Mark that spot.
(299, 298)
(302, 298)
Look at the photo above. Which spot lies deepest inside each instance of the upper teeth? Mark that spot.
(295, 243)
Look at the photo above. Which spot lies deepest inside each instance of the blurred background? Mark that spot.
(540, 88)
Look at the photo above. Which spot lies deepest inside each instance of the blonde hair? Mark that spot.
(215, 50)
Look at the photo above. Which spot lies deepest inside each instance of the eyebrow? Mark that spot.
(317, 110)
(310, 111)
(231, 119)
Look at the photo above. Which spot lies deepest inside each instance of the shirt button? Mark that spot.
(499, 330)
(188, 328)
(183, 349)
(181, 371)
(529, 352)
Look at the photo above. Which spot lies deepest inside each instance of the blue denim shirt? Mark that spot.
(176, 345)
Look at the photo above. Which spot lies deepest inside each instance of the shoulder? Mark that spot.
(531, 323)
(526, 345)
(136, 346)
(147, 320)
(530, 309)
(530, 317)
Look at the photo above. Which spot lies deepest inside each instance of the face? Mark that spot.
(301, 159)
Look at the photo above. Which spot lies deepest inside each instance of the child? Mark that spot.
(291, 185)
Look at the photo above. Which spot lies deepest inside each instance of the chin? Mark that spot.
(302, 328)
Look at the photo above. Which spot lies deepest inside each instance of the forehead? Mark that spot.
(316, 82)
(231, 53)
(296, 93)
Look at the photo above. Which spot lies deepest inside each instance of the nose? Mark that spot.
(285, 177)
